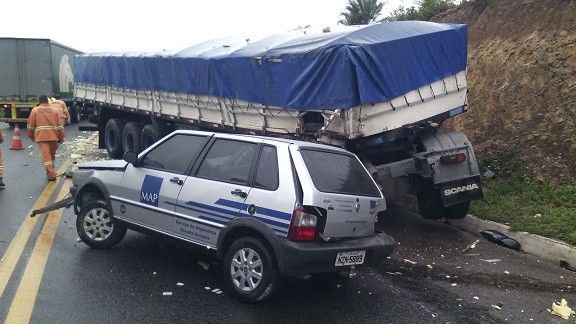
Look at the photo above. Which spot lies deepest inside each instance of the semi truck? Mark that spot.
(29, 68)
(381, 91)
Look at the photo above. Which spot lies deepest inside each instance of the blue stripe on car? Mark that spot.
(216, 214)
(261, 210)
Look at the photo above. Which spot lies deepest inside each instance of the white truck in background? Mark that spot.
(381, 91)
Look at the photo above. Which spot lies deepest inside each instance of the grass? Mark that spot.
(524, 204)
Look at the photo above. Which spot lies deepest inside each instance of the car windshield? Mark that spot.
(338, 173)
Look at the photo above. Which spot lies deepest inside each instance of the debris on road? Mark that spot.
(471, 246)
(167, 293)
(491, 260)
(562, 309)
(394, 273)
(498, 306)
(567, 266)
(501, 239)
(204, 265)
(410, 262)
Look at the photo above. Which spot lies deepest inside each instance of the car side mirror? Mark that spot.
(132, 158)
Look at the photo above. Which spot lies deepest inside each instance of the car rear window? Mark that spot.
(338, 173)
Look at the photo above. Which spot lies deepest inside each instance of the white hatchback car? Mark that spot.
(265, 207)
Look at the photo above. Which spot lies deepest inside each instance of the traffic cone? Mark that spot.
(16, 141)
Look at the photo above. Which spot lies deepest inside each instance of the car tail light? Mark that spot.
(302, 226)
(454, 158)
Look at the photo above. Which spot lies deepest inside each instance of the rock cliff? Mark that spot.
(522, 85)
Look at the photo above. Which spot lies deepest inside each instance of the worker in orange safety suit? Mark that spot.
(45, 128)
(59, 104)
(1, 165)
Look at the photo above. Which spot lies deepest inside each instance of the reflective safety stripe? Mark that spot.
(49, 128)
(48, 162)
(30, 127)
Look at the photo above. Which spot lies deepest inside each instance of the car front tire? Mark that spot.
(96, 227)
(250, 271)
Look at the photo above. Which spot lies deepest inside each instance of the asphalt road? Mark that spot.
(428, 279)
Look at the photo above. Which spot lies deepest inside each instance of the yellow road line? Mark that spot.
(14, 251)
(23, 303)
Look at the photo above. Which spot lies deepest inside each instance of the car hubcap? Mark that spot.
(246, 269)
(98, 224)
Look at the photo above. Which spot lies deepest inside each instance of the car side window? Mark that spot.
(267, 170)
(228, 161)
(175, 154)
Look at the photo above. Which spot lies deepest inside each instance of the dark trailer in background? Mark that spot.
(29, 68)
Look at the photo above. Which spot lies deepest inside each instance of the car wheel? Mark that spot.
(149, 136)
(131, 137)
(113, 138)
(250, 271)
(95, 226)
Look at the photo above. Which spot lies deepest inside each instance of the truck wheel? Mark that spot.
(149, 136)
(74, 114)
(429, 200)
(458, 211)
(113, 138)
(131, 137)
(250, 271)
(95, 226)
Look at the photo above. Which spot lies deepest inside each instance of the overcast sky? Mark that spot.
(127, 25)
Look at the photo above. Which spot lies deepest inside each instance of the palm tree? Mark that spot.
(361, 12)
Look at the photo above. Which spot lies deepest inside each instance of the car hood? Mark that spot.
(103, 165)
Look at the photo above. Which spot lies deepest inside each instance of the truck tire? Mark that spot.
(113, 138)
(149, 136)
(131, 137)
(74, 114)
(458, 211)
(96, 228)
(250, 271)
(429, 201)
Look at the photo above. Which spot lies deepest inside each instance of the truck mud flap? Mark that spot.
(462, 190)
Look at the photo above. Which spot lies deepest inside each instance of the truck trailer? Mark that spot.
(29, 68)
(381, 91)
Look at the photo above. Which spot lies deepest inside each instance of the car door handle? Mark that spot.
(177, 181)
(239, 193)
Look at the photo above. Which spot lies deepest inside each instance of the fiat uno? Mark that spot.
(265, 207)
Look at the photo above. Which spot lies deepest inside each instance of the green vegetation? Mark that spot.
(538, 207)
(364, 12)
(361, 12)
(426, 9)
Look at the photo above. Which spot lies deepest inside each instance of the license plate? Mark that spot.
(350, 258)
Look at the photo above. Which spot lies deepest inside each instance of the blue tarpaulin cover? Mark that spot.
(339, 69)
